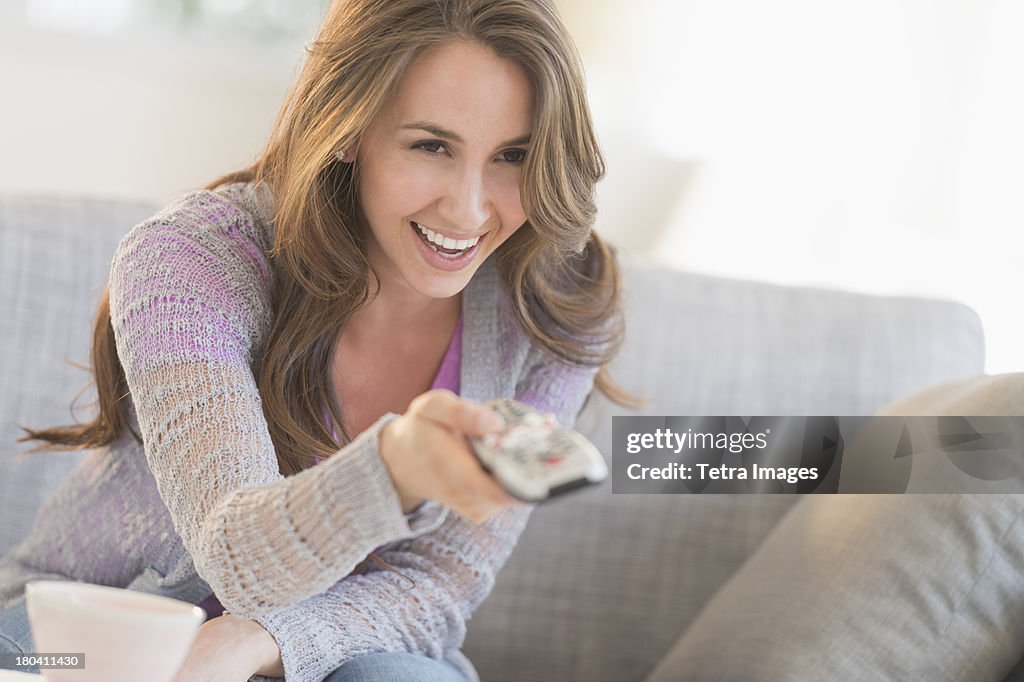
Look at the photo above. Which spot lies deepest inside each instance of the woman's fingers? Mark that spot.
(444, 407)
(428, 456)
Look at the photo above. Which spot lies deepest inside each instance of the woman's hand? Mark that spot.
(428, 457)
(231, 649)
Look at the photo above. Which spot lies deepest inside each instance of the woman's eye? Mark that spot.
(430, 146)
(514, 156)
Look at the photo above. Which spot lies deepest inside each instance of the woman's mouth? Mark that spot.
(442, 244)
(443, 252)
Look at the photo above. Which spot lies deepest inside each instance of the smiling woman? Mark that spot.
(440, 170)
(306, 342)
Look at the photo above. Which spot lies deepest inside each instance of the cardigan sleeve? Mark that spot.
(190, 305)
(453, 569)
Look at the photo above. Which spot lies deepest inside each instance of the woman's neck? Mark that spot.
(402, 323)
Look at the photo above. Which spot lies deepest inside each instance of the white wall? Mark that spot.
(144, 116)
(871, 146)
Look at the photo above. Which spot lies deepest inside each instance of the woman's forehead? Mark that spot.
(467, 89)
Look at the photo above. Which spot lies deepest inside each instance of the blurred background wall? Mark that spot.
(872, 146)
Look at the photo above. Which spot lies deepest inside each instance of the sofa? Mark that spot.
(601, 586)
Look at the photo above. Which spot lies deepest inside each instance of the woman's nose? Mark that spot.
(469, 204)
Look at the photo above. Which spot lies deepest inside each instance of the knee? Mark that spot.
(8, 646)
(8, 650)
(362, 667)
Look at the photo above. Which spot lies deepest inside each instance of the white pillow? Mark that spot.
(876, 587)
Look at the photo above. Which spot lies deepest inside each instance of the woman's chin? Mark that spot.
(445, 288)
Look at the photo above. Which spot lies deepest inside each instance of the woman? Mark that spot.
(415, 239)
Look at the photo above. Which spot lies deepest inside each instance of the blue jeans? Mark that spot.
(394, 667)
(16, 637)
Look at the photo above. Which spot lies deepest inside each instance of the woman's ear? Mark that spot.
(347, 153)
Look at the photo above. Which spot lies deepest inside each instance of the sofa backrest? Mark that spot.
(54, 260)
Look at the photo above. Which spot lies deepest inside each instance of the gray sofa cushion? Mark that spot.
(877, 587)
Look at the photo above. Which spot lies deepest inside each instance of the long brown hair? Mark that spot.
(563, 279)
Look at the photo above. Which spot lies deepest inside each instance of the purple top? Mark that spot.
(448, 373)
(447, 377)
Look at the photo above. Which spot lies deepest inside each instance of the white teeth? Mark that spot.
(446, 242)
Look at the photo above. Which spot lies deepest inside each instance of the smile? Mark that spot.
(445, 244)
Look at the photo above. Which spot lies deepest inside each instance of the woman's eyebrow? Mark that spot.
(445, 134)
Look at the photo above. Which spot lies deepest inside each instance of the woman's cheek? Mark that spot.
(513, 213)
(419, 186)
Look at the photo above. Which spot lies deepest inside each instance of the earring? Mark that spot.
(340, 155)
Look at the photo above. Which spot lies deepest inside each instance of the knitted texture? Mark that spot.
(447, 377)
(202, 507)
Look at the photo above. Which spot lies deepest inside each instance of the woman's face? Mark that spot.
(442, 163)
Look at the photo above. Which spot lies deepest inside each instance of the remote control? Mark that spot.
(534, 458)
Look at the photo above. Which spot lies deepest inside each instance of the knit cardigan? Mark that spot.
(201, 508)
